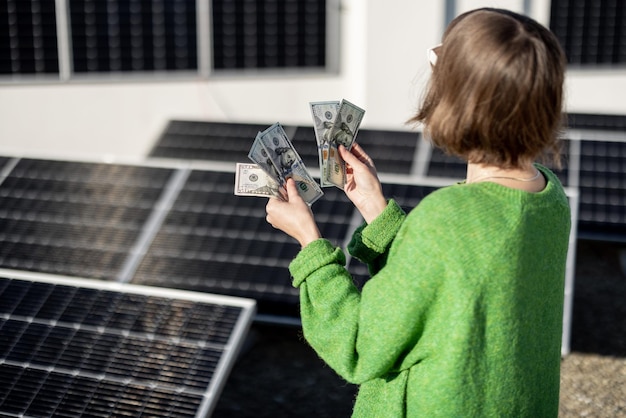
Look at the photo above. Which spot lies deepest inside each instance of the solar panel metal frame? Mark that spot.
(229, 349)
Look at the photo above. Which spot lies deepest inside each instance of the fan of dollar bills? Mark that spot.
(275, 158)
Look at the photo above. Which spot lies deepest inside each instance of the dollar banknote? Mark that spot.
(324, 115)
(279, 150)
(343, 132)
(274, 153)
(252, 180)
(259, 156)
(307, 187)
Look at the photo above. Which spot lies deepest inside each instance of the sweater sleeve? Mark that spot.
(363, 335)
(370, 242)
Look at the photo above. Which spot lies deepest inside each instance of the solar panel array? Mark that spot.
(174, 222)
(219, 141)
(162, 225)
(411, 169)
(74, 347)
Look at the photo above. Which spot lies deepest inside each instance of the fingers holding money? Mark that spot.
(363, 187)
(357, 160)
(292, 215)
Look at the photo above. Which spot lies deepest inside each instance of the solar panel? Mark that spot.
(269, 35)
(590, 33)
(596, 121)
(77, 347)
(211, 141)
(407, 195)
(75, 218)
(217, 141)
(602, 185)
(449, 166)
(392, 151)
(3, 163)
(29, 38)
(180, 226)
(305, 143)
(122, 36)
(444, 165)
(214, 241)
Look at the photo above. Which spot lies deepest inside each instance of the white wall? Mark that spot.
(382, 68)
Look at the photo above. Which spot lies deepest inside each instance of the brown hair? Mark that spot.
(496, 93)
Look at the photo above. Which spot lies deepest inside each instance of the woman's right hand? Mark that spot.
(362, 185)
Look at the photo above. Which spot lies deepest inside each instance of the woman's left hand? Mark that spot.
(292, 215)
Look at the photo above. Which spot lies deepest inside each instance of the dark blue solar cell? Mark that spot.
(11, 332)
(29, 342)
(33, 300)
(12, 295)
(51, 348)
(56, 302)
(50, 394)
(23, 391)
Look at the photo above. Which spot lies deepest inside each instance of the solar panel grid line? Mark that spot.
(213, 241)
(355, 221)
(152, 224)
(76, 218)
(573, 160)
(86, 172)
(194, 346)
(118, 376)
(598, 135)
(28, 336)
(429, 180)
(422, 154)
(264, 282)
(290, 130)
(8, 164)
(573, 197)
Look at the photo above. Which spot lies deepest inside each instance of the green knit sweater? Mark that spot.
(463, 314)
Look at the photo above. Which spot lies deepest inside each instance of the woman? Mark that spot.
(462, 316)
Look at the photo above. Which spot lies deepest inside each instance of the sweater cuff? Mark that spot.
(313, 257)
(371, 240)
